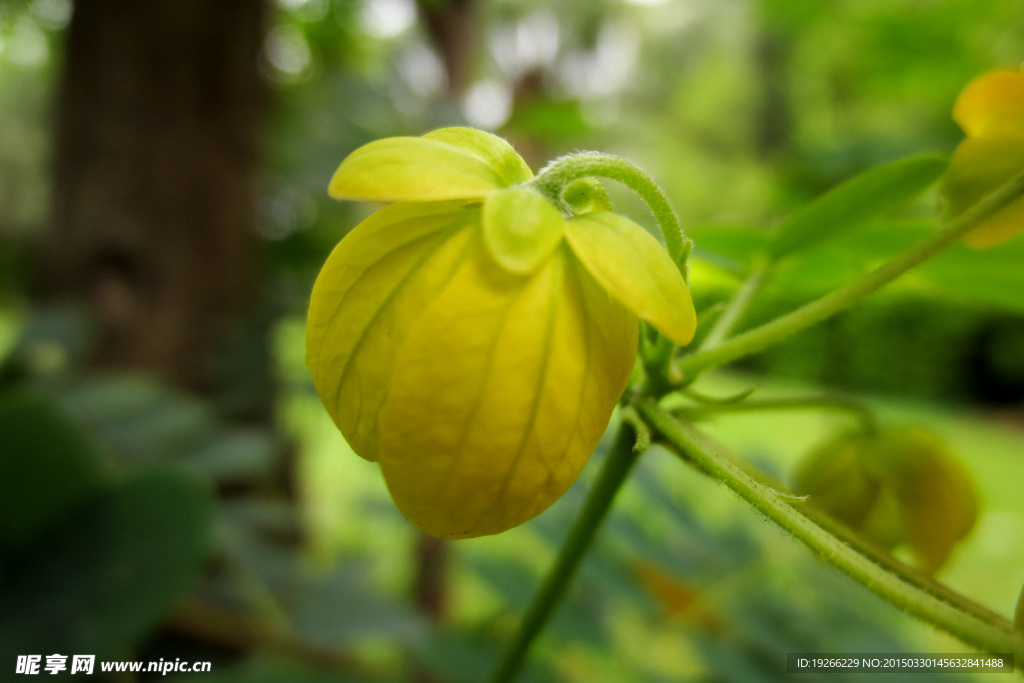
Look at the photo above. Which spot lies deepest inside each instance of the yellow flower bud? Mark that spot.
(898, 487)
(470, 338)
(990, 110)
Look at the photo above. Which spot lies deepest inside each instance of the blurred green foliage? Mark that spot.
(744, 110)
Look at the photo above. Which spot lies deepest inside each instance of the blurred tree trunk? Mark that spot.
(450, 25)
(157, 152)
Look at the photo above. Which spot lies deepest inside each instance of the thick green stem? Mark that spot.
(617, 466)
(830, 304)
(989, 635)
(562, 172)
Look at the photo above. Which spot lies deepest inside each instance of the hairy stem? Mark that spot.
(562, 172)
(770, 333)
(970, 626)
(617, 466)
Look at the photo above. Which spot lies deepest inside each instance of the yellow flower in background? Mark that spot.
(472, 339)
(990, 110)
(897, 487)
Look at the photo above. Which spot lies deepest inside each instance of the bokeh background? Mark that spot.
(169, 484)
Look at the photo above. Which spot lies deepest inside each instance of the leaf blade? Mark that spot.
(855, 202)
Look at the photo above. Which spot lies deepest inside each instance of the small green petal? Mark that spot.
(586, 195)
(521, 229)
(497, 153)
(635, 269)
(413, 169)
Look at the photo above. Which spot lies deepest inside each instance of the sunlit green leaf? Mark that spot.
(1018, 620)
(730, 246)
(856, 201)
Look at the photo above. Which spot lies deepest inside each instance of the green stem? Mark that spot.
(617, 466)
(736, 308)
(860, 544)
(830, 304)
(562, 172)
(862, 412)
(992, 636)
(884, 558)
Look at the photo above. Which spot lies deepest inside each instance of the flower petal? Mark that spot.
(978, 167)
(373, 286)
(992, 104)
(936, 497)
(497, 153)
(521, 229)
(500, 393)
(635, 269)
(414, 169)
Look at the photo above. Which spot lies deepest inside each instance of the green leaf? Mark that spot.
(1018, 620)
(634, 268)
(521, 229)
(856, 201)
(356, 610)
(729, 246)
(414, 169)
(48, 465)
(993, 276)
(101, 579)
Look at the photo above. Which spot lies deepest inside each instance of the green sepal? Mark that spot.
(413, 169)
(491, 149)
(586, 195)
(1018, 620)
(635, 269)
(521, 229)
